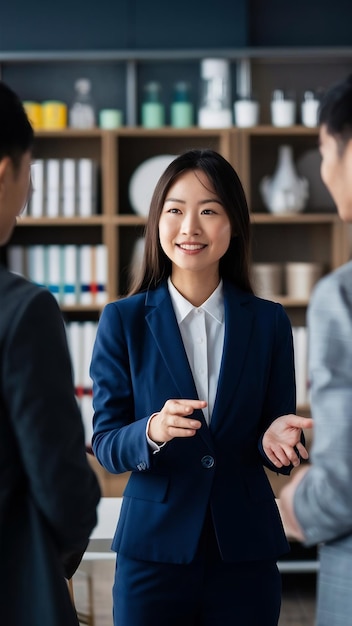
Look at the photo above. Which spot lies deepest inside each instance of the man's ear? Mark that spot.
(5, 164)
(348, 149)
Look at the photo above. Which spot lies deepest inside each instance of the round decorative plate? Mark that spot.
(143, 180)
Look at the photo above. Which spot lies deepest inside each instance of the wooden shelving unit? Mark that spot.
(314, 235)
(309, 236)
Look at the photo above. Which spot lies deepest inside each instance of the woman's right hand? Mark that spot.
(174, 420)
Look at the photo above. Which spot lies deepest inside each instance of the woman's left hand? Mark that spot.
(282, 440)
(286, 505)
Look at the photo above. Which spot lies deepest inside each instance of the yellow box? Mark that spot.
(34, 113)
(54, 115)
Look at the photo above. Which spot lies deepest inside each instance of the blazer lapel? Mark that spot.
(238, 329)
(163, 325)
(164, 328)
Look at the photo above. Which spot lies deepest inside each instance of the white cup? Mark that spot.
(267, 279)
(300, 279)
(283, 112)
(246, 113)
(209, 118)
(309, 113)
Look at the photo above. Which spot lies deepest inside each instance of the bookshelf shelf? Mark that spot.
(95, 220)
(301, 218)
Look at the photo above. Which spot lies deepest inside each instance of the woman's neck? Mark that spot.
(196, 289)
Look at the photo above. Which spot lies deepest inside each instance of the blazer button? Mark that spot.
(207, 461)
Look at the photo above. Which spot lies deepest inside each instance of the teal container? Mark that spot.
(153, 110)
(182, 114)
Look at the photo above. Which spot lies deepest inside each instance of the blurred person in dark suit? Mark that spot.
(48, 492)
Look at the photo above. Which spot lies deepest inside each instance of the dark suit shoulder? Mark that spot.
(273, 311)
(126, 309)
(128, 302)
(17, 294)
(17, 289)
(10, 280)
(139, 301)
(253, 302)
(264, 305)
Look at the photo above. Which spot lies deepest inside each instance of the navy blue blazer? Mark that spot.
(139, 362)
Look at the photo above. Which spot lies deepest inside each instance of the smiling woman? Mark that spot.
(190, 373)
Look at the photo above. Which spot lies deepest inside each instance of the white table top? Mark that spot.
(99, 547)
(100, 540)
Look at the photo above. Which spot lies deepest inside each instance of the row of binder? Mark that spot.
(81, 337)
(76, 275)
(63, 187)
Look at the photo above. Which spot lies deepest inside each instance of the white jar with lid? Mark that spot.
(215, 109)
(246, 112)
(283, 109)
(309, 109)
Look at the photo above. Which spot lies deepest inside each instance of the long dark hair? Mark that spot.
(234, 265)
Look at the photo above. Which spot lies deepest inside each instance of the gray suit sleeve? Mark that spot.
(323, 500)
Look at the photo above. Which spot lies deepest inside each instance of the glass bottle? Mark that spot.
(181, 106)
(82, 113)
(153, 111)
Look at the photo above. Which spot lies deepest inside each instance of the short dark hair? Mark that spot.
(16, 133)
(335, 110)
(234, 265)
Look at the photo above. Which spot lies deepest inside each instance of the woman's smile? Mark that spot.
(191, 248)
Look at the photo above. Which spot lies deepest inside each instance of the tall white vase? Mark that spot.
(285, 192)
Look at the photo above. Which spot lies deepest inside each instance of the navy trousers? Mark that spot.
(206, 592)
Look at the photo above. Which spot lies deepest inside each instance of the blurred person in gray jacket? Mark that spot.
(316, 505)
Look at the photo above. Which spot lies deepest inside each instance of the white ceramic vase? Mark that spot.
(285, 192)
